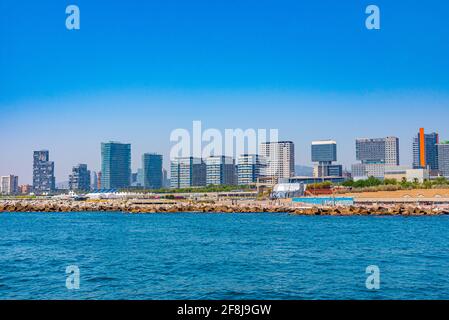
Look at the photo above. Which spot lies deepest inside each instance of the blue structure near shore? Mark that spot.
(325, 201)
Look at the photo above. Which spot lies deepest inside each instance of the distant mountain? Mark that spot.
(304, 171)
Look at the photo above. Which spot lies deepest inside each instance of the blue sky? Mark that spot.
(136, 70)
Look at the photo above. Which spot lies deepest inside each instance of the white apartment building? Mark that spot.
(9, 184)
(392, 151)
(279, 158)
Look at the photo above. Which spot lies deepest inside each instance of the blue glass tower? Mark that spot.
(325, 152)
(115, 165)
(152, 170)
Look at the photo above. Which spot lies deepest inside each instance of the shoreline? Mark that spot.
(128, 206)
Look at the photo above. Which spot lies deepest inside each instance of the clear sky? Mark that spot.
(136, 70)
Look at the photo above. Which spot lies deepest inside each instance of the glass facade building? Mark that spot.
(140, 177)
(425, 150)
(334, 170)
(366, 170)
(370, 150)
(220, 170)
(165, 179)
(94, 180)
(186, 172)
(375, 154)
(80, 178)
(43, 172)
(152, 170)
(249, 169)
(378, 150)
(115, 165)
(324, 151)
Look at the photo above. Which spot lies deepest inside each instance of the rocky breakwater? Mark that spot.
(59, 206)
(130, 207)
(373, 211)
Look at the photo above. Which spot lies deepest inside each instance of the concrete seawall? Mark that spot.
(256, 206)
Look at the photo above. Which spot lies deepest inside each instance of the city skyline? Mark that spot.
(380, 154)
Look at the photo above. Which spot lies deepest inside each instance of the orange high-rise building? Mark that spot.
(422, 148)
(425, 154)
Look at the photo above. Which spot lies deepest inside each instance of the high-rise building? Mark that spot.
(152, 170)
(370, 150)
(99, 180)
(392, 151)
(43, 172)
(80, 178)
(374, 155)
(378, 150)
(324, 152)
(165, 180)
(425, 153)
(220, 170)
(249, 168)
(115, 165)
(187, 172)
(443, 158)
(134, 176)
(280, 159)
(9, 184)
(140, 177)
(94, 180)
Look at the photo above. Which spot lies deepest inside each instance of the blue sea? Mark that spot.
(222, 256)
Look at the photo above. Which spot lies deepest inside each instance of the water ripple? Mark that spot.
(222, 256)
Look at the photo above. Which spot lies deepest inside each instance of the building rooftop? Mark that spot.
(319, 142)
(269, 142)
